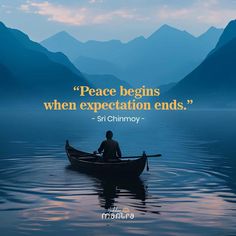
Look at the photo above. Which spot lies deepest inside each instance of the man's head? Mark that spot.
(109, 134)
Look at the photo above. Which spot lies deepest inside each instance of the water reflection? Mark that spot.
(109, 190)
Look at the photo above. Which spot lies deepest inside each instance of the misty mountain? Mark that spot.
(67, 44)
(64, 42)
(106, 81)
(166, 56)
(95, 66)
(56, 57)
(32, 70)
(209, 39)
(228, 35)
(213, 82)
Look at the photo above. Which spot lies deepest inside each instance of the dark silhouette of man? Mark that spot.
(110, 147)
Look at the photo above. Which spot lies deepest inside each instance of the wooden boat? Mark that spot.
(93, 164)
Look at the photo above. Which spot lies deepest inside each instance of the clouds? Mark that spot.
(89, 13)
(211, 12)
(56, 13)
(76, 15)
(95, 1)
(110, 16)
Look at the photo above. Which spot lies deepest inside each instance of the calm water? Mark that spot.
(191, 190)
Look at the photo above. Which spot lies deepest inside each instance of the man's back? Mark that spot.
(110, 149)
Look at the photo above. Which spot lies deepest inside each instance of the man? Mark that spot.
(109, 147)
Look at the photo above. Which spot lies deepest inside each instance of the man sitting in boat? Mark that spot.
(110, 148)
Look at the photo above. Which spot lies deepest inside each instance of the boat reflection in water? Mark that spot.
(118, 191)
(111, 189)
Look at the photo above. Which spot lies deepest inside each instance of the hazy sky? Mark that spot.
(113, 19)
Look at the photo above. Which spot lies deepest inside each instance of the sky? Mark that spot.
(113, 19)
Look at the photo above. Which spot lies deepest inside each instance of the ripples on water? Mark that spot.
(189, 191)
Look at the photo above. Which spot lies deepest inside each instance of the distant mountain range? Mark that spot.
(166, 56)
(29, 71)
(213, 82)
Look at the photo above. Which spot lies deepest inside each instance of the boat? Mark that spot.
(94, 164)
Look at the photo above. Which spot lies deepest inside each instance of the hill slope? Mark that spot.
(33, 70)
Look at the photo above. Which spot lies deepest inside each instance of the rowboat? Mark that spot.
(94, 164)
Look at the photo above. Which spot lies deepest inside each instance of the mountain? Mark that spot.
(157, 60)
(228, 35)
(166, 56)
(67, 44)
(64, 42)
(95, 66)
(208, 40)
(166, 32)
(32, 70)
(213, 82)
(56, 57)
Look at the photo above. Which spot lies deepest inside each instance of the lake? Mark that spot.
(190, 190)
